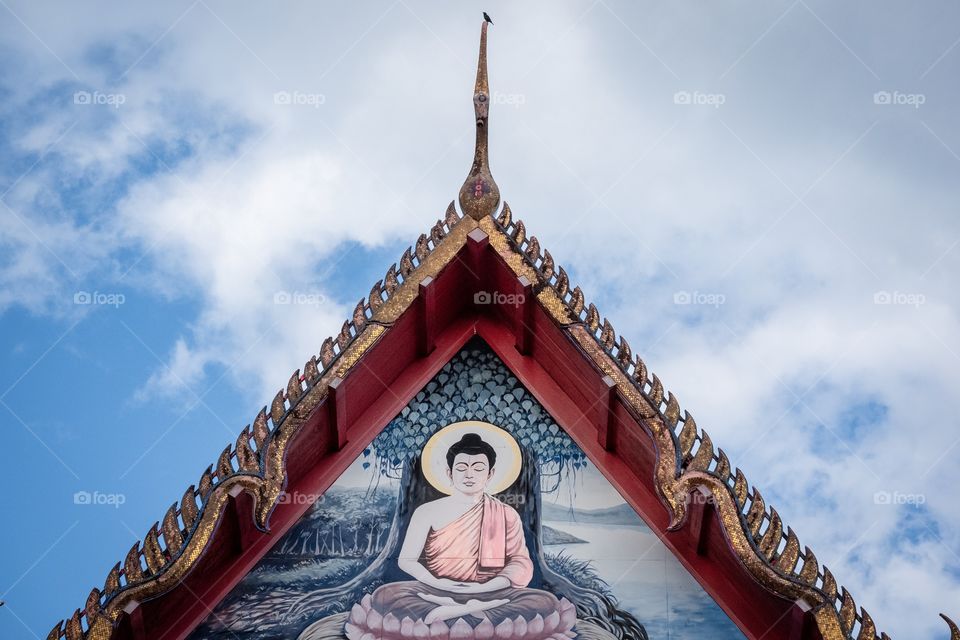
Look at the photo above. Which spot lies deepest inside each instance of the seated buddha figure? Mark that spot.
(470, 566)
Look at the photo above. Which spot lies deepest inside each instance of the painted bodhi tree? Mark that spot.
(475, 385)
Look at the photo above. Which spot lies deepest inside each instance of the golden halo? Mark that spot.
(433, 460)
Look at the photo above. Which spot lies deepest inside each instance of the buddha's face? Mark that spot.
(470, 473)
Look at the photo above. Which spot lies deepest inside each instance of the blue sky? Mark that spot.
(761, 197)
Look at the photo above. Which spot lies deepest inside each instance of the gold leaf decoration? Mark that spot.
(740, 489)
(359, 317)
(848, 611)
(344, 337)
(205, 485)
(772, 536)
(310, 370)
(756, 513)
(172, 537)
(671, 416)
(533, 249)
(277, 409)
(954, 630)
(55, 632)
(829, 586)
(640, 372)
(624, 353)
(132, 570)
(656, 392)
(74, 631)
(607, 335)
(704, 455)
(390, 281)
(576, 302)
(593, 318)
(451, 218)
(188, 508)
(723, 466)
(326, 355)
(547, 267)
(406, 264)
(563, 283)
(422, 248)
(224, 468)
(375, 296)
(437, 233)
(260, 430)
(151, 550)
(92, 606)
(519, 233)
(505, 216)
(112, 583)
(246, 458)
(810, 567)
(293, 387)
(688, 433)
(868, 630)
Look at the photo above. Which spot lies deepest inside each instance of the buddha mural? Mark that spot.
(466, 553)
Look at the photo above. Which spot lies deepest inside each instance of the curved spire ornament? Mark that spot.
(479, 195)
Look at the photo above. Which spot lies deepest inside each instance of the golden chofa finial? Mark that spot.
(479, 195)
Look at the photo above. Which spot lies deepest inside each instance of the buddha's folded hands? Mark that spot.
(448, 608)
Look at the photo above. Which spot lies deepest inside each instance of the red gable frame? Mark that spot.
(412, 323)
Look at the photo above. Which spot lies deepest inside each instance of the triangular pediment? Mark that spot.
(585, 543)
(466, 278)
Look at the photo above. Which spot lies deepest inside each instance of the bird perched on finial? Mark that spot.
(487, 18)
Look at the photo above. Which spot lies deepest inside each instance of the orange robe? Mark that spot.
(485, 542)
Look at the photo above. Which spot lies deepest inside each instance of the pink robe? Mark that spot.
(485, 542)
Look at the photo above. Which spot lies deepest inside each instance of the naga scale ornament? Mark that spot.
(687, 460)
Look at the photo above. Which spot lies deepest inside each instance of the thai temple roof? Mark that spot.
(250, 475)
